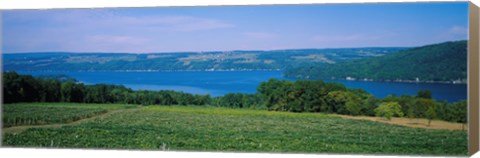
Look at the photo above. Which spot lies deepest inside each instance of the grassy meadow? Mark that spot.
(195, 128)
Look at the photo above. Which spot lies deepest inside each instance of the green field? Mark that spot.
(189, 128)
(50, 113)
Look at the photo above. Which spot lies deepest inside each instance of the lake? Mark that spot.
(218, 83)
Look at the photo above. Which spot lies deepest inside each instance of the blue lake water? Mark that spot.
(219, 83)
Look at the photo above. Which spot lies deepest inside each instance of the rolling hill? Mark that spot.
(443, 62)
(186, 61)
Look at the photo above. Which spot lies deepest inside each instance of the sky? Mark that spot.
(224, 28)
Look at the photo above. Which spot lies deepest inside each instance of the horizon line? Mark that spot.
(234, 50)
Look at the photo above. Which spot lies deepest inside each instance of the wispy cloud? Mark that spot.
(455, 32)
(166, 23)
(259, 35)
(98, 30)
(98, 19)
(196, 24)
(458, 30)
(113, 39)
(114, 43)
(344, 38)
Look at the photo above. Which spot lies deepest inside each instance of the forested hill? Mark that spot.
(444, 62)
(189, 61)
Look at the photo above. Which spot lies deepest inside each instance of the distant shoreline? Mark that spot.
(389, 81)
(205, 70)
(406, 81)
(232, 70)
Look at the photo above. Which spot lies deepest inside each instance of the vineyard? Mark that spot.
(193, 128)
(50, 113)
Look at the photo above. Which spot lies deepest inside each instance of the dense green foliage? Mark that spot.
(318, 96)
(198, 61)
(239, 100)
(25, 88)
(275, 95)
(439, 62)
(388, 110)
(219, 129)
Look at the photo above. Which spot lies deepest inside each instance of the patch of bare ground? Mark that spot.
(416, 123)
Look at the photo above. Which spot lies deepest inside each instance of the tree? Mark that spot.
(253, 101)
(201, 99)
(345, 102)
(410, 113)
(117, 95)
(457, 112)
(408, 105)
(275, 93)
(389, 110)
(72, 92)
(421, 107)
(424, 94)
(334, 87)
(50, 90)
(66, 91)
(336, 102)
(11, 87)
(441, 109)
(364, 102)
(431, 113)
(166, 98)
(231, 100)
(370, 103)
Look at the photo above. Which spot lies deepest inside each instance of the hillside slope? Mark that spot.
(443, 62)
(186, 61)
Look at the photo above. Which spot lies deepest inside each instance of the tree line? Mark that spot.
(319, 96)
(274, 95)
(26, 88)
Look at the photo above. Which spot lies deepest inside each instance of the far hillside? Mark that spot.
(239, 60)
(444, 62)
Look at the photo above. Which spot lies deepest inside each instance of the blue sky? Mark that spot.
(267, 27)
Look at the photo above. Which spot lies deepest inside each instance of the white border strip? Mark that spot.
(74, 153)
